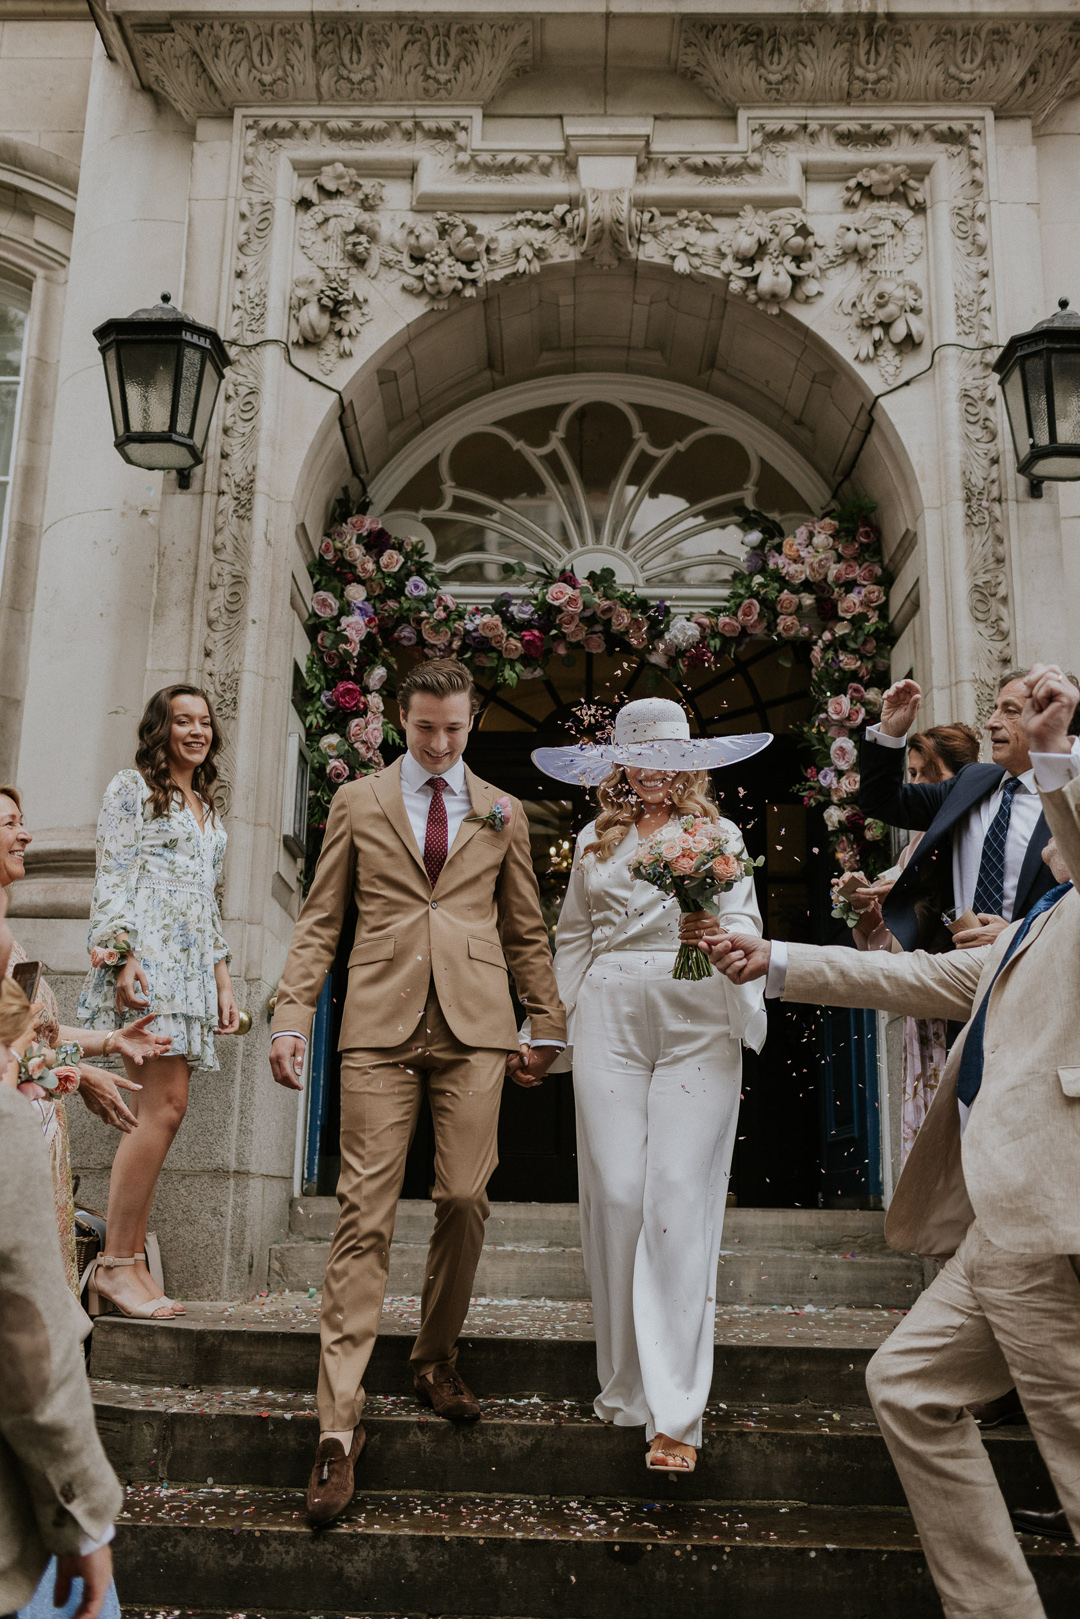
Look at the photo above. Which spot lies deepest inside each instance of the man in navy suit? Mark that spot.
(986, 822)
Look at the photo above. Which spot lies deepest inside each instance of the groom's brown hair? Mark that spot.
(442, 677)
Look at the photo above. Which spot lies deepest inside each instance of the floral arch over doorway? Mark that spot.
(614, 522)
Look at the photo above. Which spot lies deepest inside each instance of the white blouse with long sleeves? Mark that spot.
(607, 909)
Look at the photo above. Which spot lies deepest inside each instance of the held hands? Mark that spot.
(987, 931)
(287, 1060)
(899, 707)
(1048, 711)
(528, 1065)
(742, 957)
(694, 925)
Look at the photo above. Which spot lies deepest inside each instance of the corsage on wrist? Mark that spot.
(56, 1071)
(113, 950)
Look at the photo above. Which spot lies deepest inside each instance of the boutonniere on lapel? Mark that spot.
(497, 817)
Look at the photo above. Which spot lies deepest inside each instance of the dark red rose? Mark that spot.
(347, 695)
(533, 643)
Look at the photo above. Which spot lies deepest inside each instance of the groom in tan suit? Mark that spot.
(1003, 1209)
(441, 871)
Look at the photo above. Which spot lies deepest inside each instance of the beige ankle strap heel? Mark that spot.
(100, 1304)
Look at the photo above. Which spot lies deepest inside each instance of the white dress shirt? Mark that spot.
(969, 834)
(1049, 771)
(417, 793)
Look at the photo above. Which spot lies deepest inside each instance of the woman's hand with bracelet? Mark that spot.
(136, 1042)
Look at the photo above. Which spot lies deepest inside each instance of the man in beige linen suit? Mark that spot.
(441, 871)
(58, 1495)
(1003, 1202)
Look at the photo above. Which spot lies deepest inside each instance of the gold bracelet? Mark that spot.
(108, 1042)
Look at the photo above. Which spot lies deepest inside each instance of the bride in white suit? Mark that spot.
(657, 1073)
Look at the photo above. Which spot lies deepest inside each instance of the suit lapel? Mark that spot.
(387, 789)
(481, 797)
(972, 785)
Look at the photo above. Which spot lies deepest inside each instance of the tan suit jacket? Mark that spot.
(481, 920)
(1019, 1167)
(56, 1486)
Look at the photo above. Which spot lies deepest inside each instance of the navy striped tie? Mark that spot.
(990, 889)
(971, 1058)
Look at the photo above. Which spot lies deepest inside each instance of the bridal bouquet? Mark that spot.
(694, 860)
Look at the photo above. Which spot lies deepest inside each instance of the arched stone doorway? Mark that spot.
(567, 463)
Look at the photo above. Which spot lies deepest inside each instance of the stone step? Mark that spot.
(761, 1355)
(556, 1225)
(745, 1276)
(547, 1558)
(523, 1446)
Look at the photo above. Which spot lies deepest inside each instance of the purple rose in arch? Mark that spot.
(415, 587)
(363, 610)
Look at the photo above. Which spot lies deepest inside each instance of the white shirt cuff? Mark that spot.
(874, 734)
(86, 1545)
(777, 974)
(283, 1032)
(559, 1044)
(1054, 770)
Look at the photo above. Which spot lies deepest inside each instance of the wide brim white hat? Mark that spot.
(650, 734)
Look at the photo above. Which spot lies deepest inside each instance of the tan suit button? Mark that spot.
(67, 1494)
(434, 905)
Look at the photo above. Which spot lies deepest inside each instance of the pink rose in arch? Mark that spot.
(818, 569)
(391, 561)
(848, 606)
(576, 632)
(868, 573)
(850, 548)
(337, 771)
(620, 619)
(849, 662)
(787, 602)
(347, 695)
(355, 593)
(559, 594)
(856, 717)
(728, 626)
(873, 596)
(326, 550)
(354, 731)
(788, 627)
(843, 753)
(593, 643)
(373, 733)
(324, 604)
(816, 656)
(748, 612)
(574, 603)
(365, 565)
(849, 783)
(838, 709)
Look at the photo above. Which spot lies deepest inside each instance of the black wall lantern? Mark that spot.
(164, 371)
(1039, 373)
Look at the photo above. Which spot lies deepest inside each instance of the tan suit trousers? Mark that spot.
(989, 1320)
(380, 1102)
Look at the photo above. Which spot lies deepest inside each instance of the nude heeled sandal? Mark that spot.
(101, 1304)
(177, 1309)
(658, 1459)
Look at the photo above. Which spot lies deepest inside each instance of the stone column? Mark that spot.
(98, 556)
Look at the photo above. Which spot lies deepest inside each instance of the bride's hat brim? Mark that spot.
(587, 763)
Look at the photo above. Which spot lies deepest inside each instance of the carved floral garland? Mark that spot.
(821, 589)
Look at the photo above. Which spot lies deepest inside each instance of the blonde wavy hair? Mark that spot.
(621, 808)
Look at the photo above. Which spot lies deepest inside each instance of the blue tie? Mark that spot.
(971, 1058)
(990, 888)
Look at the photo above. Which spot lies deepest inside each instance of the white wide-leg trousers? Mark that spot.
(656, 1083)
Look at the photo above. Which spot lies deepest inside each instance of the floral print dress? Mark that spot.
(156, 877)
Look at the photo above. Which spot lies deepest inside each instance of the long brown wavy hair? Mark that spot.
(621, 808)
(152, 753)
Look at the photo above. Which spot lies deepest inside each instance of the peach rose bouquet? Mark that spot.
(694, 861)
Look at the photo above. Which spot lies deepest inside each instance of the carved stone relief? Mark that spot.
(1023, 68)
(856, 264)
(209, 67)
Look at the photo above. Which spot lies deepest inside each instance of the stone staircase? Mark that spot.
(771, 1256)
(539, 1511)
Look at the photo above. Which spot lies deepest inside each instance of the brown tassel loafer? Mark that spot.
(447, 1394)
(330, 1487)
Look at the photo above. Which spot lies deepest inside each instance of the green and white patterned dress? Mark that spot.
(156, 877)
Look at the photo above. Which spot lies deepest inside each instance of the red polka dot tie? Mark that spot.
(435, 846)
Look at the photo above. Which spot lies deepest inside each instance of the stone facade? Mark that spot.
(789, 215)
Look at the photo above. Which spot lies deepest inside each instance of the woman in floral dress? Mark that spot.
(156, 943)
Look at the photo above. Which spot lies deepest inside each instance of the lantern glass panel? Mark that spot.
(1014, 403)
(159, 455)
(211, 382)
(190, 371)
(116, 402)
(1066, 374)
(148, 385)
(1038, 403)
